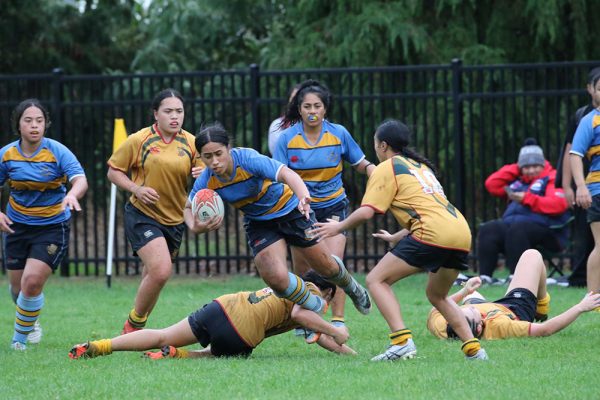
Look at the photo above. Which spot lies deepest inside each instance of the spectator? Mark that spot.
(583, 241)
(534, 206)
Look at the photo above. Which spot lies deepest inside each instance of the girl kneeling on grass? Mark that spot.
(436, 238)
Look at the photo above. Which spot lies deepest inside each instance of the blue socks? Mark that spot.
(28, 311)
(298, 293)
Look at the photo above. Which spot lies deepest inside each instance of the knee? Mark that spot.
(159, 274)
(32, 285)
(371, 281)
(435, 298)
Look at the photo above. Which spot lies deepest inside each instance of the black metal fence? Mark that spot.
(469, 120)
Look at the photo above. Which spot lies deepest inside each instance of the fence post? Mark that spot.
(254, 96)
(459, 139)
(56, 104)
(57, 127)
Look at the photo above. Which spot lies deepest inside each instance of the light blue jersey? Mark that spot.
(319, 164)
(586, 143)
(253, 187)
(38, 183)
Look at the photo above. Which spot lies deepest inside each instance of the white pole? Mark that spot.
(111, 233)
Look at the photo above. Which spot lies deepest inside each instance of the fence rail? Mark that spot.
(469, 120)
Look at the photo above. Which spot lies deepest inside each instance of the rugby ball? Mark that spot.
(207, 203)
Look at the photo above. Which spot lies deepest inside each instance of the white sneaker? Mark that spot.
(395, 352)
(35, 336)
(18, 346)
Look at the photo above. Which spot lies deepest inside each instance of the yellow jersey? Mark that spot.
(499, 322)
(416, 199)
(165, 167)
(260, 314)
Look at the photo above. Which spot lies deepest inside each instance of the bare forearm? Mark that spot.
(577, 169)
(79, 186)
(121, 180)
(294, 181)
(557, 323)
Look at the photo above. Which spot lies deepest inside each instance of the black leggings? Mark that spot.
(497, 237)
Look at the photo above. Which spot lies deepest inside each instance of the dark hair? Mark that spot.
(319, 281)
(20, 109)
(292, 114)
(163, 94)
(472, 325)
(397, 136)
(593, 76)
(211, 133)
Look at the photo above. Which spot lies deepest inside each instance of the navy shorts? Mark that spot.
(47, 243)
(140, 229)
(338, 212)
(211, 326)
(593, 213)
(520, 301)
(430, 258)
(293, 228)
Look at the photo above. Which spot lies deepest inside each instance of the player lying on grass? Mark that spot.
(526, 300)
(231, 325)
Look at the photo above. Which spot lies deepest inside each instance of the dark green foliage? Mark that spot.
(182, 35)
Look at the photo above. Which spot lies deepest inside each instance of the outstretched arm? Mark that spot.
(553, 325)
(299, 188)
(332, 228)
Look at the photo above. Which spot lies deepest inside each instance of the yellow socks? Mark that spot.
(137, 321)
(543, 305)
(181, 353)
(471, 347)
(100, 347)
(400, 337)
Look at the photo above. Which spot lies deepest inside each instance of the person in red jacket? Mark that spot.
(534, 205)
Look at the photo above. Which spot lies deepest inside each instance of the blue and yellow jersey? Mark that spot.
(38, 183)
(253, 187)
(416, 199)
(163, 166)
(586, 143)
(319, 164)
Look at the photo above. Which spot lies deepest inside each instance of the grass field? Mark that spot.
(283, 367)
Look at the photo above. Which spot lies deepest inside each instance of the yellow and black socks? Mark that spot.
(28, 311)
(137, 321)
(471, 347)
(543, 308)
(400, 337)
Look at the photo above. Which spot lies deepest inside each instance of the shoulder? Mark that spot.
(336, 128)
(7, 147)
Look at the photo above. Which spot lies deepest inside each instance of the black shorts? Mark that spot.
(47, 243)
(430, 258)
(338, 212)
(520, 301)
(293, 227)
(593, 213)
(211, 326)
(140, 229)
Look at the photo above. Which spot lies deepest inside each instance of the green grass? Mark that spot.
(78, 309)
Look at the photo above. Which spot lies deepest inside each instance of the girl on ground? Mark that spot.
(435, 238)
(315, 149)
(36, 225)
(155, 164)
(276, 207)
